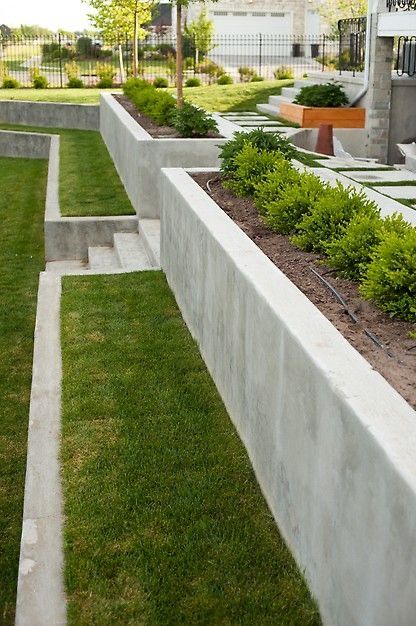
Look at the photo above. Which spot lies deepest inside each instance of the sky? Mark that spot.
(53, 14)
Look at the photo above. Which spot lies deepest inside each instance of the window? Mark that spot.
(241, 13)
(258, 14)
(220, 13)
(277, 14)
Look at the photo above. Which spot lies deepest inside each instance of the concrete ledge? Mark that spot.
(27, 145)
(139, 158)
(40, 588)
(332, 443)
(50, 114)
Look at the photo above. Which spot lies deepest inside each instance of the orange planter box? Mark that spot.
(312, 117)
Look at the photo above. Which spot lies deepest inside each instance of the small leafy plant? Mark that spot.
(326, 95)
(330, 216)
(257, 138)
(38, 81)
(225, 79)
(283, 73)
(10, 83)
(160, 82)
(391, 276)
(106, 74)
(190, 121)
(251, 168)
(246, 73)
(193, 82)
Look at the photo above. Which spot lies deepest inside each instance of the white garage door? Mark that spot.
(246, 31)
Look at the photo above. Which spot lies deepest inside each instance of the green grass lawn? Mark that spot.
(165, 523)
(88, 181)
(22, 205)
(237, 97)
(76, 96)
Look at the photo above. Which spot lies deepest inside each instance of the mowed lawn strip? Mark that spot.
(22, 205)
(88, 181)
(165, 523)
(72, 96)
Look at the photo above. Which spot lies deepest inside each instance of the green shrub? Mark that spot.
(246, 73)
(391, 276)
(160, 82)
(193, 82)
(161, 109)
(330, 216)
(106, 74)
(105, 83)
(212, 69)
(352, 253)
(190, 121)
(251, 169)
(75, 83)
(256, 79)
(274, 185)
(225, 79)
(299, 193)
(257, 138)
(283, 73)
(40, 82)
(327, 95)
(10, 83)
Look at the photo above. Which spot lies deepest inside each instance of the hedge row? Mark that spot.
(160, 106)
(339, 222)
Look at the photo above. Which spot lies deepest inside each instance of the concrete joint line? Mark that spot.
(40, 588)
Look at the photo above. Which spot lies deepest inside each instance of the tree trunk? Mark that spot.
(179, 56)
(135, 45)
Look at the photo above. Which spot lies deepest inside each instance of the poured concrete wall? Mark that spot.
(139, 158)
(50, 114)
(24, 145)
(332, 444)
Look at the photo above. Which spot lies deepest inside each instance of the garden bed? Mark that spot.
(331, 442)
(155, 131)
(396, 362)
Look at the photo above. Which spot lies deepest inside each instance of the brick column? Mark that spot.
(378, 100)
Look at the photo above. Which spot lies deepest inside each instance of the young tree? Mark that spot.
(202, 32)
(118, 18)
(334, 10)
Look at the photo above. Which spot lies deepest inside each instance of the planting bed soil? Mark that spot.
(395, 359)
(155, 131)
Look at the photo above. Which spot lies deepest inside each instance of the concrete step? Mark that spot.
(130, 251)
(65, 267)
(259, 123)
(303, 83)
(149, 233)
(270, 109)
(290, 92)
(277, 100)
(102, 258)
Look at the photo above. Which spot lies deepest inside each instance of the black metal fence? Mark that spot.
(401, 5)
(91, 62)
(405, 58)
(352, 39)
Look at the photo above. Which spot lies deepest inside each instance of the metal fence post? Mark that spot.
(60, 60)
(323, 52)
(260, 51)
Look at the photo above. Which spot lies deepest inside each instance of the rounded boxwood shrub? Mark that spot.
(391, 276)
(10, 83)
(330, 216)
(193, 82)
(160, 82)
(105, 83)
(40, 82)
(75, 83)
(251, 168)
(258, 138)
(326, 95)
(225, 79)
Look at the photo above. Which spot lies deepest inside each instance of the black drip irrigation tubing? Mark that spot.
(352, 315)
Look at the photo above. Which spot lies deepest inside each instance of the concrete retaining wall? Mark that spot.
(27, 145)
(138, 157)
(50, 114)
(332, 444)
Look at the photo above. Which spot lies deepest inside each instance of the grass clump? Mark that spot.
(22, 208)
(165, 522)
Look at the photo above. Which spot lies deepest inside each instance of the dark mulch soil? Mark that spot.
(155, 131)
(396, 362)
